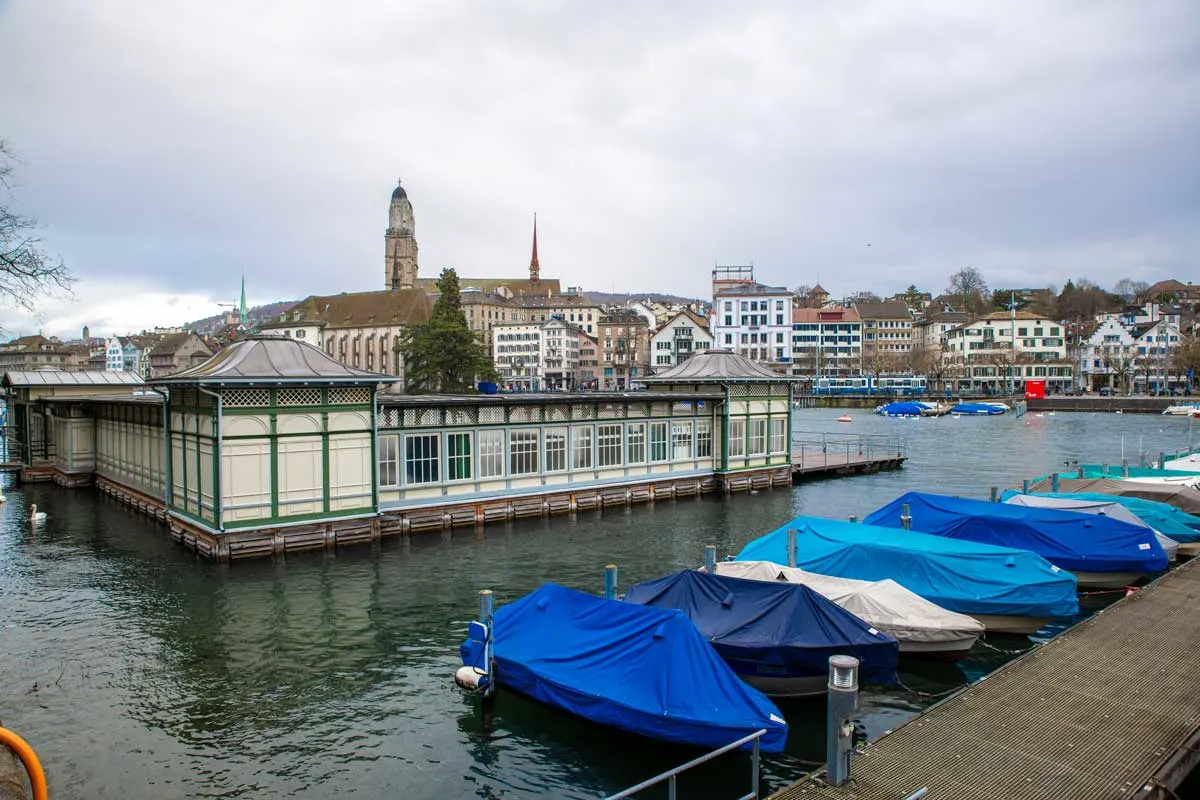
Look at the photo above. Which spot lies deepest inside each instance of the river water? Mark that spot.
(139, 670)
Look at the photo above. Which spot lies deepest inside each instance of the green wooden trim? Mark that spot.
(199, 472)
(274, 468)
(325, 460)
(183, 462)
(262, 411)
(264, 522)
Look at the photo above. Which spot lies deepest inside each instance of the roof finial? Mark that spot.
(535, 269)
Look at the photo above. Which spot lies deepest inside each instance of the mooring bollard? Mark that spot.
(1025, 486)
(1079, 473)
(610, 580)
(1162, 460)
(1054, 483)
(839, 722)
(1124, 467)
(905, 517)
(791, 547)
(995, 494)
(710, 558)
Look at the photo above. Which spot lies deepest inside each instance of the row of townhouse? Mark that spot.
(999, 351)
(147, 355)
(1132, 351)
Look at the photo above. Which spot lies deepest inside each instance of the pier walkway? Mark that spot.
(817, 454)
(1108, 709)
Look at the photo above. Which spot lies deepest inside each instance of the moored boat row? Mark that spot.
(691, 657)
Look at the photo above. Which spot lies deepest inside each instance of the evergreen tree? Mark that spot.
(442, 355)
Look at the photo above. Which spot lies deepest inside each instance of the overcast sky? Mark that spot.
(169, 147)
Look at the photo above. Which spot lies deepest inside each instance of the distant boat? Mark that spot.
(845, 418)
(921, 627)
(979, 409)
(1008, 590)
(776, 636)
(641, 669)
(1101, 552)
(900, 409)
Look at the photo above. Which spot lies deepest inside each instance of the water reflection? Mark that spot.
(143, 671)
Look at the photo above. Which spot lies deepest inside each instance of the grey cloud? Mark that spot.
(183, 144)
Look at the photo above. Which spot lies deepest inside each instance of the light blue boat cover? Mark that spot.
(965, 577)
(771, 628)
(1067, 539)
(1172, 522)
(642, 669)
(900, 408)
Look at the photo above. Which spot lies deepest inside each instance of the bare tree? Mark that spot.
(1131, 291)
(971, 289)
(929, 362)
(26, 271)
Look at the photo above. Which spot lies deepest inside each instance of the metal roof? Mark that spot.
(717, 366)
(271, 360)
(58, 377)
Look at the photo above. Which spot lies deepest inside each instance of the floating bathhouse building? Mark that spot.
(272, 446)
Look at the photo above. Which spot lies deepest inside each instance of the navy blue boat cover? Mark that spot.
(959, 576)
(1068, 539)
(642, 669)
(1172, 522)
(771, 625)
(900, 408)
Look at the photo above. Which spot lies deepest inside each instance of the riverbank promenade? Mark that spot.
(1109, 709)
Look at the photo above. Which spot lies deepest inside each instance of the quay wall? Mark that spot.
(1128, 405)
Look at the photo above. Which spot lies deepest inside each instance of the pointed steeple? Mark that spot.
(243, 315)
(535, 270)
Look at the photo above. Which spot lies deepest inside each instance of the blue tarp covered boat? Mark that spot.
(1166, 519)
(1100, 551)
(777, 636)
(900, 409)
(642, 669)
(1005, 588)
(978, 409)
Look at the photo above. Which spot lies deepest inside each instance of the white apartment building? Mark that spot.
(684, 335)
(1106, 357)
(114, 355)
(754, 320)
(929, 332)
(887, 330)
(826, 341)
(517, 355)
(992, 351)
(1154, 345)
(559, 352)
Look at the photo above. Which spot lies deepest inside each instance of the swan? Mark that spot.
(36, 516)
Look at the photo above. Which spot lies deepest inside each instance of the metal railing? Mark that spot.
(671, 774)
(832, 449)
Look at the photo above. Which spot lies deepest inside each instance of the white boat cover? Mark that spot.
(1114, 510)
(1186, 464)
(885, 604)
(1191, 481)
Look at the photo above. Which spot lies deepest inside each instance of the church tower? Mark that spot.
(400, 243)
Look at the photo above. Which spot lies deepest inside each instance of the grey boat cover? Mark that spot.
(885, 604)
(1182, 497)
(1111, 509)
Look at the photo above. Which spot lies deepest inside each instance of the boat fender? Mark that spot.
(471, 679)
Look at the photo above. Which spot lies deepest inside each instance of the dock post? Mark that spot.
(1124, 467)
(710, 558)
(1025, 486)
(1054, 483)
(995, 494)
(791, 547)
(905, 517)
(1162, 460)
(610, 579)
(839, 725)
(1079, 472)
(854, 518)
(486, 607)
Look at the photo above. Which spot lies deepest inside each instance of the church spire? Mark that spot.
(534, 269)
(243, 315)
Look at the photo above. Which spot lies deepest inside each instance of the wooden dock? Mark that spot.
(1108, 709)
(820, 454)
